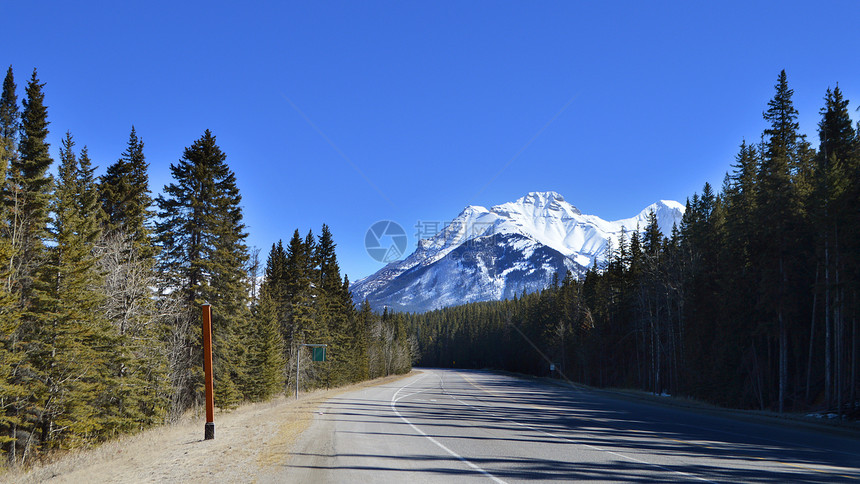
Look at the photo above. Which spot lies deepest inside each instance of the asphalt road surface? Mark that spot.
(472, 426)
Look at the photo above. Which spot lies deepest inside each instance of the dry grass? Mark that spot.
(247, 441)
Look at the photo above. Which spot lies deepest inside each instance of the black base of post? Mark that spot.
(210, 431)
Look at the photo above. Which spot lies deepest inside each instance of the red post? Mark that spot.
(207, 370)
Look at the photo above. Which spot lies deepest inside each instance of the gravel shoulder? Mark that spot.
(248, 442)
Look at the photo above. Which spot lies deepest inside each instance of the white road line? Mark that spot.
(394, 401)
(535, 429)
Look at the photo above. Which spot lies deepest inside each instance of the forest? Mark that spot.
(750, 303)
(102, 287)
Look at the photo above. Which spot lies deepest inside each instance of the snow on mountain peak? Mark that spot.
(546, 218)
(541, 198)
(669, 213)
(536, 202)
(511, 242)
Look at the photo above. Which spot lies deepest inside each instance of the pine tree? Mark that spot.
(202, 240)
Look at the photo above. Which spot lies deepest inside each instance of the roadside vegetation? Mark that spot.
(101, 286)
(750, 303)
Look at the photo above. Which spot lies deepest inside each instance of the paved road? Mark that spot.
(470, 426)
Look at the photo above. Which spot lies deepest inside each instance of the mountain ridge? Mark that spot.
(490, 254)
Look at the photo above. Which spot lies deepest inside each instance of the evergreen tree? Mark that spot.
(28, 192)
(202, 240)
(31, 186)
(127, 260)
(738, 283)
(652, 238)
(778, 206)
(299, 275)
(11, 355)
(741, 201)
(835, 212)
(125, 197)
(332, 311)
(265, 363)
(9, 118)
(274, 280)
(362, 328)
(75, 342)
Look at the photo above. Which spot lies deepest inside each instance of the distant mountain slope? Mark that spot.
(494, 254)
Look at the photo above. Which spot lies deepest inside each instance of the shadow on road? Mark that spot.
(642, 441)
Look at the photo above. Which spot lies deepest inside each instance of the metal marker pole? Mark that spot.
(209, 432)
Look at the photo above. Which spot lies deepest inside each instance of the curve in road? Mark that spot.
(463, 426)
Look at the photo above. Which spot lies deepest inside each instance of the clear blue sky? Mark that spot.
(347, 113)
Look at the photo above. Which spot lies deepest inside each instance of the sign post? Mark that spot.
(318, 355)
(209, 432)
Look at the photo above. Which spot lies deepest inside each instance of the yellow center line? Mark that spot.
(654, 434)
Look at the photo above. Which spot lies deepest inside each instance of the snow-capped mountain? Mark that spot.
(491, 254)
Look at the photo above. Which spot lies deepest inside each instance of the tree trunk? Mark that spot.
(828, 384)
(811, 336)
(840, 330)
(783, 359)
(783, 340)
(757, 377)
(854, 357)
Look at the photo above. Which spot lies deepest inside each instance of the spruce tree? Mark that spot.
(274, 288)
(125, 197)
(74, 342)
(31, 186)
(834, 205)
(274, 283)
(11, 357)
(9, 119)
(265, 362)
(331, 310)
(362, 327)
(778, 206)
(11, 354)
(201, 235)
(298, 275)
(652, 238)
(28, 196)
(127, 260)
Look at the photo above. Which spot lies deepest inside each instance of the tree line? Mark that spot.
(751, 302)
(101, 286)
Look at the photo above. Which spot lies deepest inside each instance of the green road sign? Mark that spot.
(319, 353)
